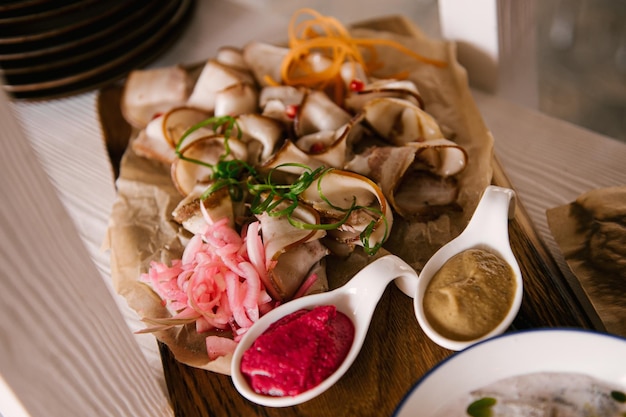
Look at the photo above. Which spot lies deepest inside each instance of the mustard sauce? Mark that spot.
(470, 295)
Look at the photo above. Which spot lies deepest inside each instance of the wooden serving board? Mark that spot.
(396, 352)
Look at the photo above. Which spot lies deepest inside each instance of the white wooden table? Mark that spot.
(66, 348)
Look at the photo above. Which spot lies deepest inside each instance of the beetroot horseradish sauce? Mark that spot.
(298, 352)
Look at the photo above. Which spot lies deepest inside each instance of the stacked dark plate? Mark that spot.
(54, 48)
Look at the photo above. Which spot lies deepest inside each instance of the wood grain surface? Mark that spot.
(396, 352)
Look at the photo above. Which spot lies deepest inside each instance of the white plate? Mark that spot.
(596, 354)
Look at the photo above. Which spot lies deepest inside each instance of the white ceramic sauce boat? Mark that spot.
(357, 299)
(488, 229)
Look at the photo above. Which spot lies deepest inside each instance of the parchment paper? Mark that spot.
(591, 233)
(141, 230)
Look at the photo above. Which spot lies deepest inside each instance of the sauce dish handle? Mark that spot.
(489, 224)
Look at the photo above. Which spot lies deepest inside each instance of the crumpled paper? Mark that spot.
(591, 233)
(141, 229)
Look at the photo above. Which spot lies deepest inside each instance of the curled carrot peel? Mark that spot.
(331, 41)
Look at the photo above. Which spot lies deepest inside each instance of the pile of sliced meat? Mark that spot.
(388, 155)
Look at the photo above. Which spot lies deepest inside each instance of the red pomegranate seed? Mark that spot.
(291, 110)
(357, 85)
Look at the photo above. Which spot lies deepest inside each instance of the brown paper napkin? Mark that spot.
(591, 232)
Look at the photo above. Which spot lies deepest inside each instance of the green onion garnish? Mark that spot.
(267, 196)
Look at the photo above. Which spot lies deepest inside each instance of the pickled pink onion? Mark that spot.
(217, 282)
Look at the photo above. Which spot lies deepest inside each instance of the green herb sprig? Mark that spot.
(270, 197)
(226, 172)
